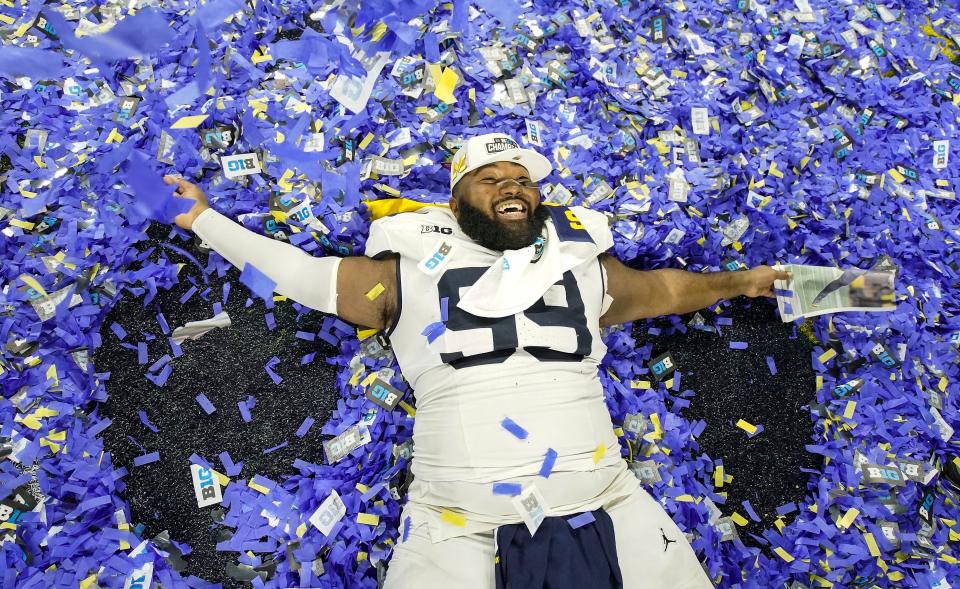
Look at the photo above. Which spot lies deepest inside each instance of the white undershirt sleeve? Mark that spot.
(306, 279)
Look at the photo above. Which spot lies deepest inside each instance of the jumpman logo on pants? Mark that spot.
(666, 541)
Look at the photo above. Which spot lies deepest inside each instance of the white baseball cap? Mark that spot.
(496, 147)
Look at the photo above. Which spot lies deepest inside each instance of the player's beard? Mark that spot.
(501, 235)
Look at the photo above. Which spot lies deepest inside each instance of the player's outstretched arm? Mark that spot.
(643, 294)
(328, 284)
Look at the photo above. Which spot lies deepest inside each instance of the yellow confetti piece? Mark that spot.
(685, 498)
(301, 530)
(657, 429)
(738, 519)
(114, 136)
(260, 55)
(22, 29)
(783, 554)
(86, 583)
(366, 141)
(7, 20)
(31, 422)
(257, 487)
(355, 377)
(374, 292)
(361, 556)
(368, 380)
(747, 427)
(368, 519)
(847, 520)
(718, 477)
(453, 518)
(849, 409)
(446, 85)
(54, 447)
(362, 488)
(190, 122)
(872, 544)
(32, 283)
(640, 384)
(410, 410)
(897, 176)
(774, 171)
(598, 453)
(828, 355)
(942, 385)
(897, 575)
(363, 334)
(223, 479)
(25, 225)
(390, 189)
(284, 181)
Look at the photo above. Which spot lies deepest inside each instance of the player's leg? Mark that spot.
(651, 549)
(465, 562)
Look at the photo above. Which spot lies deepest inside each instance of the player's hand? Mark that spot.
(193, 192)
(759, 281)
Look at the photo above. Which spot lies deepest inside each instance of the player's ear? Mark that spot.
(455, 198)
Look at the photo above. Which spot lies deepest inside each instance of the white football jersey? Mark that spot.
(537, 369)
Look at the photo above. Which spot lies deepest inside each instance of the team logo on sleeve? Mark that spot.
(459, 165)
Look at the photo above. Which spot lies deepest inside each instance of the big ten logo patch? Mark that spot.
(216, 138)
(301, 213)
(925, 510)
(44, 26)
(530, 504)
(941, 154)
(434, 262)
(47, 223)
(128, 106)
(206, 488)
(881, 353)
(328, 513)
(646, 471)
(273, 229)
(635, 423)
(662, 366)
(384, 395)
(436, 229)
(912, 469)
(891, 531)
(848, 388)
(908, 172)
(658, 28)
(877, 474)
(10, 514)
(241, 164)
(412, 78)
